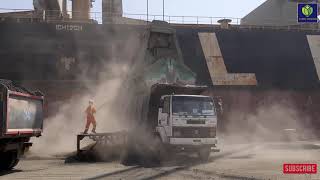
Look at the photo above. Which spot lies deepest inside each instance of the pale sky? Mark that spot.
(209, 8)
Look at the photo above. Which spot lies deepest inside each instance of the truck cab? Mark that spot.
(187, 121)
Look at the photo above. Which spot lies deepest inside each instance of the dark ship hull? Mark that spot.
(246, 67)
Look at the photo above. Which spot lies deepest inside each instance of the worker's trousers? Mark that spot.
(91, 120)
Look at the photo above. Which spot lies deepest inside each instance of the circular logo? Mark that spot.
(307, 10)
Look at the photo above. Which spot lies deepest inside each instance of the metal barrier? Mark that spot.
(99, 16)
(183, 19)
(103, 139)
(30, 15)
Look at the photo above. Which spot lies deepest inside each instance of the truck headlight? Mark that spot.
(176, 133)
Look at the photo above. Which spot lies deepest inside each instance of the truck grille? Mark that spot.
(196, 121)
(194, 132)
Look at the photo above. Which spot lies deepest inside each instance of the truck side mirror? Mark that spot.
(165, 108)
(220, 105)
(161, 103)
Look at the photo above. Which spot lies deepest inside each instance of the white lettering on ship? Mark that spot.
(67, 27)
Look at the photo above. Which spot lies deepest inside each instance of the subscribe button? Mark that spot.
(300, 168)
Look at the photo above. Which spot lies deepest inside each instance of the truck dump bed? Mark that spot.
(158, 90)
(21, 111)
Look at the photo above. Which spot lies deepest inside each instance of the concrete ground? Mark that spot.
(241, 161)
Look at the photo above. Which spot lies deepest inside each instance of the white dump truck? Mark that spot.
(169, 119)
(183, 119)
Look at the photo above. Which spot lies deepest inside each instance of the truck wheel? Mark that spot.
(204, 154)
(8, 160)
(129, 156)
(161, 153)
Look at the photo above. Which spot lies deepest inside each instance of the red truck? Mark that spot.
(21, 117)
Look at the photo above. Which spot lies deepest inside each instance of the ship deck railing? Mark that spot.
(31, 16)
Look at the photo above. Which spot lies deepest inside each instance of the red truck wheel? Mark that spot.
(8, 160)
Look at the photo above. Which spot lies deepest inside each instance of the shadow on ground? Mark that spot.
(180, 163)
(2, 173)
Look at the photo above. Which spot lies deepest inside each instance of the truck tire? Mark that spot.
(204, 154)
(129, 156)
(161, 153)
(8, 160)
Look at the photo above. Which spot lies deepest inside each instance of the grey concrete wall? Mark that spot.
(273, 13)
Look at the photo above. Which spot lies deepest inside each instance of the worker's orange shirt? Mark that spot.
(90, 112)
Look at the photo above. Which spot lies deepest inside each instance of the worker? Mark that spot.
(90, 112)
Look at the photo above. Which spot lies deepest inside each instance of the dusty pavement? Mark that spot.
(242, 161)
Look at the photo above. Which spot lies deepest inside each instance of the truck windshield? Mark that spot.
(187, 105)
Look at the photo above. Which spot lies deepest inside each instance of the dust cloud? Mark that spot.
(60, 130)
(275, 131)
(274, 122)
